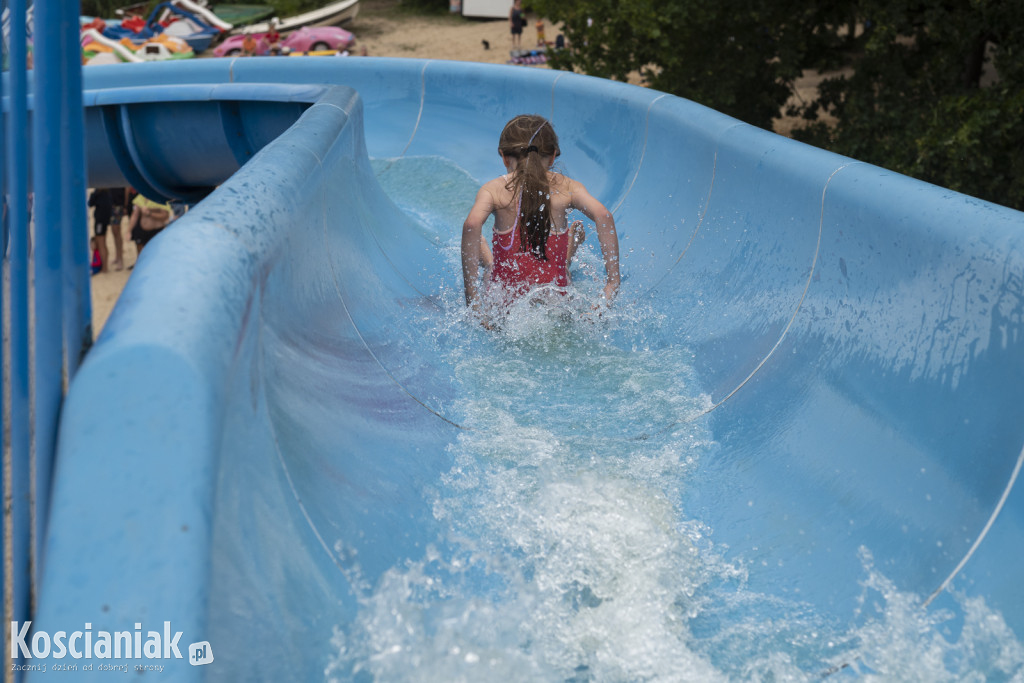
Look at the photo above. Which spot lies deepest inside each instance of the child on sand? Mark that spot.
(532, 243)
(96, 264)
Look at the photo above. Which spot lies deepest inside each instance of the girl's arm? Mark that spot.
(471, 247)
(606, 235)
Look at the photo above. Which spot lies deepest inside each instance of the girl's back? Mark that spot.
(507, 204)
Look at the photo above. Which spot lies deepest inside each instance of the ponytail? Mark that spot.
(534, 200)
(529, 139)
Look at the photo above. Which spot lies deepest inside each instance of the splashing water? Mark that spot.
(568, 555)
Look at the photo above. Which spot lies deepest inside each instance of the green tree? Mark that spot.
(737, 56)
(930, 88)
(936, 91)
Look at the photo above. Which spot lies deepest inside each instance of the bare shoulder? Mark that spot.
(489, 190)
(563, 184)
(500, 181)
(497, 190)
(498, 187)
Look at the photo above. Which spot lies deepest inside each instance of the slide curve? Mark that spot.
(790, 450)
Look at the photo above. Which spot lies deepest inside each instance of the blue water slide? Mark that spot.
(789, 451)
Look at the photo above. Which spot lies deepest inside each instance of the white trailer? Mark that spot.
(486, 9)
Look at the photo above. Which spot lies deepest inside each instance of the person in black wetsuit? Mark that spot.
(516, 22)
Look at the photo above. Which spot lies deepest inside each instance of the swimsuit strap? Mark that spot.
(512, 241)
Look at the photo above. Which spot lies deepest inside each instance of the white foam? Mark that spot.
(571, 549)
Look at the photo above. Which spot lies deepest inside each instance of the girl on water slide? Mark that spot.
(532, 243)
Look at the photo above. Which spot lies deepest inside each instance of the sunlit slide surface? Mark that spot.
(788, 451)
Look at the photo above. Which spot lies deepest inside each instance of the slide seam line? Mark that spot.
(643, 153)
(803, 295)
(984, 531)
(348, 314)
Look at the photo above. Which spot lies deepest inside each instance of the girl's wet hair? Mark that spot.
(530, 138)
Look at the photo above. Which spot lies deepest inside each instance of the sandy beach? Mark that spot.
(386, 30)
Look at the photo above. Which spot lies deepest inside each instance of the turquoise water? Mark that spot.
(569, 553)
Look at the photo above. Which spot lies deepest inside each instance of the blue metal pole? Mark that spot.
(76, 295)
(17, 460)
(5, 378)
(50, 171)
(75, 251)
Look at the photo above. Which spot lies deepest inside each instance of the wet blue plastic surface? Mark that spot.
(263, 425)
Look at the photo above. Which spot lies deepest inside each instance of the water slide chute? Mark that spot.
(289, 444)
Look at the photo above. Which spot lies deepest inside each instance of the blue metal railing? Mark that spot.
(46, 307)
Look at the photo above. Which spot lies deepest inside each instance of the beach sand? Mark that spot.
(107, 285)
(386, 29)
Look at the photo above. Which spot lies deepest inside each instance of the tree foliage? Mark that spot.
(936, 92)
(930, 88)
(710, 51)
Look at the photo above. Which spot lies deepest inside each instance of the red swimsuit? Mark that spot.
(518, 271)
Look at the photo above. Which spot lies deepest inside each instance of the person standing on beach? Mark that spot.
(122, 208)
(516, 21)
(102, 202)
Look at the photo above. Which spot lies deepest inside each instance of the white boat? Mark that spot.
(328, 15)
(204, 13)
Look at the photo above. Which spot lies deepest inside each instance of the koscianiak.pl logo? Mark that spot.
(103, 645)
